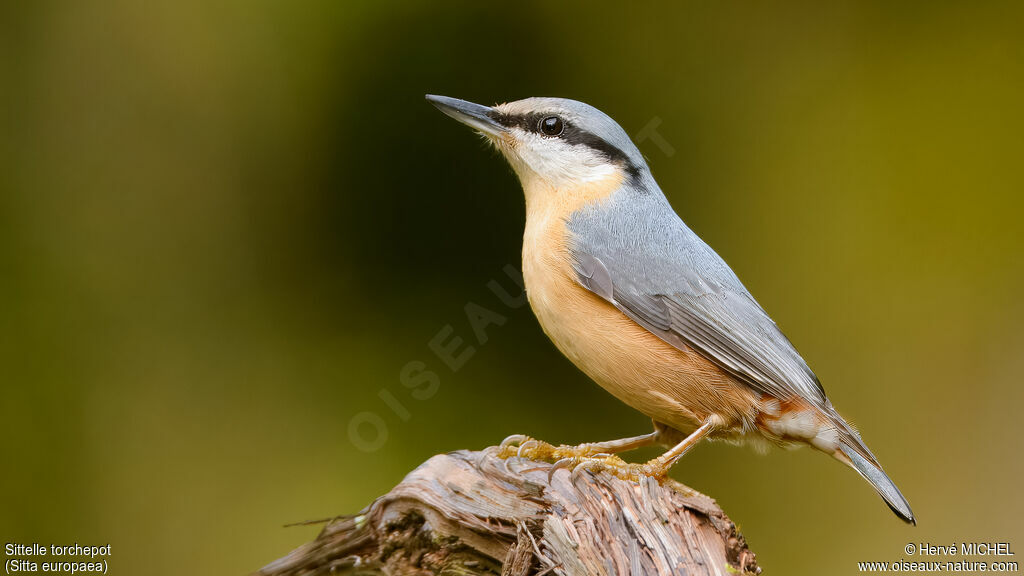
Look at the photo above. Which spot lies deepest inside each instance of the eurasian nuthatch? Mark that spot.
(644, 307)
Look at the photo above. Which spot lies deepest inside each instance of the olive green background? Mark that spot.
(225, 227)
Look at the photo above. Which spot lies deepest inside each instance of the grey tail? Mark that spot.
(869, 468)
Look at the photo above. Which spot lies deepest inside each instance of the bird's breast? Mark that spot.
(677, 387)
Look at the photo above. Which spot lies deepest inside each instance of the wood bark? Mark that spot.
(473, 513)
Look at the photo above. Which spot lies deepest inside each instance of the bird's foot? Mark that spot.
(522, 446)
(591, 456)
(628, 471)
(600, 456)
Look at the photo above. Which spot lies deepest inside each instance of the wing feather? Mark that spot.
(718, 319)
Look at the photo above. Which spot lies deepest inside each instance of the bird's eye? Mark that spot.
(552, 126)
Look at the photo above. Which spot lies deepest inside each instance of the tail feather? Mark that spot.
(872, 472)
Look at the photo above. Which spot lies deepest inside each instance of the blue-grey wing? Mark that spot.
(670, 282)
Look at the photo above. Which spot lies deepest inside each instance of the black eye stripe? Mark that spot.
(571, 134)
(526, 122)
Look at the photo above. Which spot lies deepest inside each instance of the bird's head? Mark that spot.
(552, 143)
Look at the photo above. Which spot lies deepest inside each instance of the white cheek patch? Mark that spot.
(558, 163)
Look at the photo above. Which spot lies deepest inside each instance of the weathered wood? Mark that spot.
(472, 513)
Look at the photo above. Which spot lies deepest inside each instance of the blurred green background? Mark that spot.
(225, 227)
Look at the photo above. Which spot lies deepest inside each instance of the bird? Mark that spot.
(644, 307)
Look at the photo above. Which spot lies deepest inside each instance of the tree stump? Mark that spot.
(473, 513)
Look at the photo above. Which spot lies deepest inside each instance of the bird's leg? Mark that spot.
(526, 447)
(660, 465)
(657, 468)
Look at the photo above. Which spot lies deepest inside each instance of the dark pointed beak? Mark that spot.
(477, 117)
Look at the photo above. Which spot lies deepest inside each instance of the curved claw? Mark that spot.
(526, 446)
(504, 465)
(514, 439)
(569, 463)
(594, 466)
